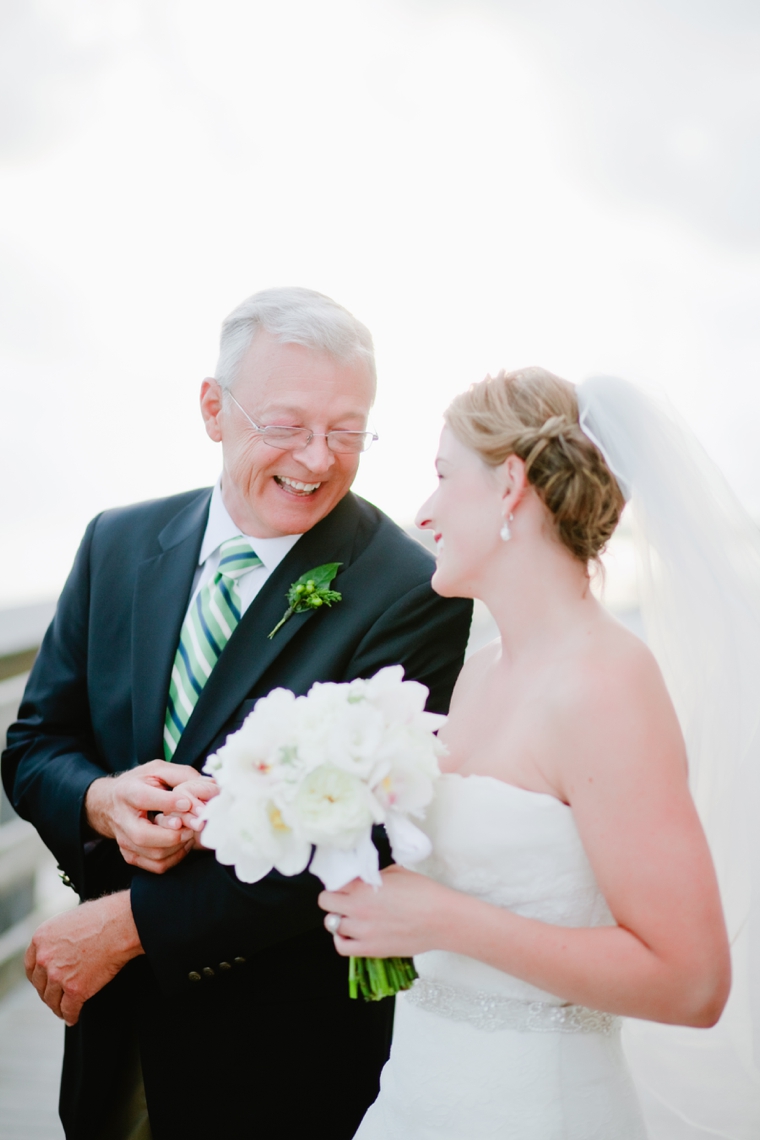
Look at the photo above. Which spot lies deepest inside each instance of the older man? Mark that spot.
(223, 1005)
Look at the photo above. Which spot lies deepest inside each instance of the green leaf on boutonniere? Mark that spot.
(310, 592)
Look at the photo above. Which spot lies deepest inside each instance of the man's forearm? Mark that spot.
(125, 940)
(74, 955)
(118, 927)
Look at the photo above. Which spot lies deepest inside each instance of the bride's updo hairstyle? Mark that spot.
(534, 415)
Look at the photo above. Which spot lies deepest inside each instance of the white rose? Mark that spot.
(332, 806)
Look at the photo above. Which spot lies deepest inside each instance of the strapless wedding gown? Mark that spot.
(477, 1053)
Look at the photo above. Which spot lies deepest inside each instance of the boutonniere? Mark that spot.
(310, 592)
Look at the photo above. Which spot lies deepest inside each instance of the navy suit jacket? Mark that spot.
(269, 1026)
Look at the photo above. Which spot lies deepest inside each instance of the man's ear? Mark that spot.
(211, 406)
(514, 482)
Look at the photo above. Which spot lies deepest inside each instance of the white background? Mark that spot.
(485, 184)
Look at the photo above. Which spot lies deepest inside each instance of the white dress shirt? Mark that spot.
(219, 528)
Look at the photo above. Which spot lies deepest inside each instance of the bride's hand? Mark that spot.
(199, 791)
(406, 916)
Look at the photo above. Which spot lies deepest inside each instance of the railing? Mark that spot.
(29, 888)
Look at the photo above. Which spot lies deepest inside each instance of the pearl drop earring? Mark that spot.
(505, 533)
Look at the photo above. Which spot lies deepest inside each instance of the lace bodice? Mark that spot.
(516, 849)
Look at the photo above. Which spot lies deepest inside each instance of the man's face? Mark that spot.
(268, 492)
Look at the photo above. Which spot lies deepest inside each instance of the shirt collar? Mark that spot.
(220, 527)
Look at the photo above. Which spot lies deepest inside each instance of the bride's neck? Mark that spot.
(535, 591)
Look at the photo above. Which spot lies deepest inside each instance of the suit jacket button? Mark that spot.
(225, 966)
(193, 976)
(239, 961)
(208, 972)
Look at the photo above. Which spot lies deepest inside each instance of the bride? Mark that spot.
(570, 882)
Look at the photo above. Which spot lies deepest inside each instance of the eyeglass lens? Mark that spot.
(291, 439)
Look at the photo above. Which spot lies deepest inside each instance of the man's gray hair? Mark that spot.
(293, 316)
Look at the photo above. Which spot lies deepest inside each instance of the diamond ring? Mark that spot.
(332, 922)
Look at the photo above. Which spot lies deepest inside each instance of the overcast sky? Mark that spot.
(485, 184)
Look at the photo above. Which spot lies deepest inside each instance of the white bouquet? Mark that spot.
(305, 778)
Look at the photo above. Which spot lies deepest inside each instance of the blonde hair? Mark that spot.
(534, 415)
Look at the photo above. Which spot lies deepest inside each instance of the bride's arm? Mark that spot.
(619, 761)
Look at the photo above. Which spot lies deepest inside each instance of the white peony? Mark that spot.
(400, 701)
(409, 844)
(249, 832)
(259, 746)
(336, 867)
(354, 739)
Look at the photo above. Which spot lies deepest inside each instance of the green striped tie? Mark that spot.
(209, 625)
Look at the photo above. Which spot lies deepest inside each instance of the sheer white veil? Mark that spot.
(699, 581)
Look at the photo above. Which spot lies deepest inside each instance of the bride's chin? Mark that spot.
(446, 587)
(438, 582)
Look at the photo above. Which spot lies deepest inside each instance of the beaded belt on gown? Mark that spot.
(492, 1011)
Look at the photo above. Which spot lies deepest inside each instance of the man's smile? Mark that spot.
(293, 487)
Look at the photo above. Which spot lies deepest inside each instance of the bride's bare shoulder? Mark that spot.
(475, 668)
(614, 702)
(613, 664)
(618, 656)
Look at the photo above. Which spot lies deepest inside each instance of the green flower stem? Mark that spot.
(288, 613)
(310, 592)
(377, 978)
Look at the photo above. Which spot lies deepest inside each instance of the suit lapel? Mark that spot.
(249, 652)
(162, 590)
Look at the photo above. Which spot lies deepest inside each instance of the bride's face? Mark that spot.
(465, 514)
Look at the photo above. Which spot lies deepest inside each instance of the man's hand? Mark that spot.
(203, 789)
(121, 808)
(72, 956)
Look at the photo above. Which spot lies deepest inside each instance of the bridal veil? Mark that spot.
(699, 582)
